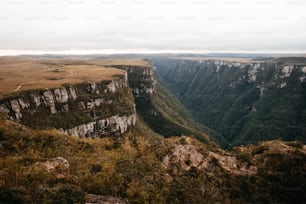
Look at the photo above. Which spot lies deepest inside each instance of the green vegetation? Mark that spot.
(169, 117)
(161, 110)
(131, 167)
(121, 102)
(141, 166)
(226, 100)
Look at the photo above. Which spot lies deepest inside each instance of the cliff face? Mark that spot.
(88, 109)
(159, 108)
(140, 79)
(245, 101)
(104, 108)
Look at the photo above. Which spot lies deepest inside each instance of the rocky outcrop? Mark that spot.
(93, 109)
(32, 101)
(114, 126)
(141, 79)
(54, 163)
(184, 157)
(16, 108)
(89, 109)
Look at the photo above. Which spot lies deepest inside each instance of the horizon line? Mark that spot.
(11, 52)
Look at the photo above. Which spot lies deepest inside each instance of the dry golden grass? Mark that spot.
(20, 74)
(127, 62)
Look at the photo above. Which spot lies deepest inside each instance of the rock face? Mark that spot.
(34, 100)
(55, 162)
(184, 157)
(106, 108)
(244, 101)
(140, 79)
(88, 109)
(114, 126)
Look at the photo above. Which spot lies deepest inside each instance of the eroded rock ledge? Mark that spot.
(115, 125)
(88, 109)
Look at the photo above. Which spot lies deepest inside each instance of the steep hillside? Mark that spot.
(160, 109)
(180, 121)
(92, 98)
(48, 167)
(245, 101)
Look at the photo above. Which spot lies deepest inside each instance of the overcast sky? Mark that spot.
(138, 25)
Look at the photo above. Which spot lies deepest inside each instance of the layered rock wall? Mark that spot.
(87, 109)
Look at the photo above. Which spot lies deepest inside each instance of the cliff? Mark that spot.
(245, 101)
(159, 108)
(95, 108)
(141, 79)
(86, 109)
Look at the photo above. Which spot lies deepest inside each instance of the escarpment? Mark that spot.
(245, 101)
(97, 108)
(141, 79)
(161, 111)
(86, 109)
(91, 108)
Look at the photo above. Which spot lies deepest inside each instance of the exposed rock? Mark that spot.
(36, 99)
(48, 99)
(231, 164)
(236, 64)
(261, 88)
(62, 99)
(166, 161)
(97, 102)
(61, 95)
(136, 91)
(114, 124)
(111, 87)
(92, 87)
(116, 84)
(72, 93)
(23, 104)
(252, 73)
(282, 85)
(90, 105)
(302, 78)
(187, 156)
(286, 71)
(149, 90)
(16, 108)
(146, 84)
(56, 162)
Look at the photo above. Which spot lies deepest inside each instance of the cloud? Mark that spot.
(217, 25)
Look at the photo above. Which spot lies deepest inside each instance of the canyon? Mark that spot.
(117, 130)
(245, 101)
